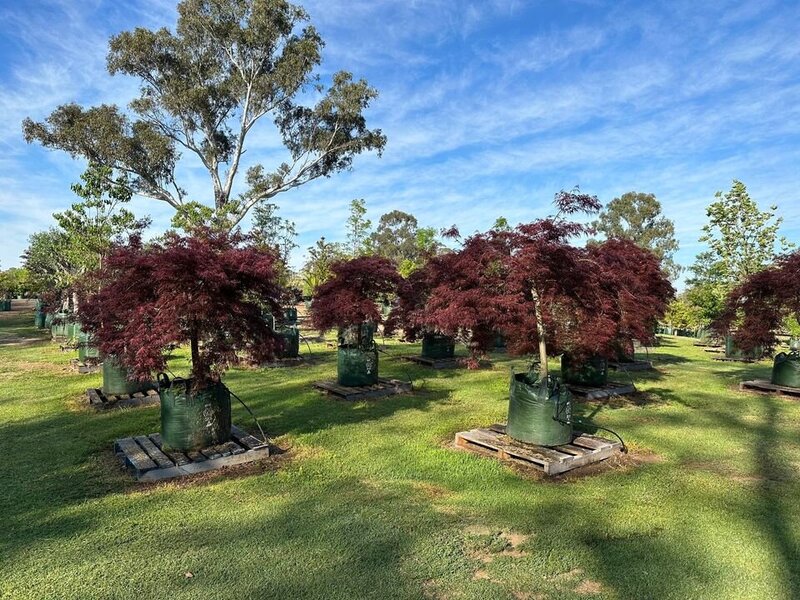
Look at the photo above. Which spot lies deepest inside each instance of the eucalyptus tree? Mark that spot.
(637, 216)
(229, 65)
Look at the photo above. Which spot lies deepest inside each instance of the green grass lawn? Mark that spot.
(371, 500)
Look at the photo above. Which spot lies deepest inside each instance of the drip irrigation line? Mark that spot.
(577, 421)
(310, 353)
(403, 368)
(263, 435)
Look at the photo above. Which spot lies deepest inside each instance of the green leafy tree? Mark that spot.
(683, 313)
(15, 281)
(358, 229)
(742, 240)
(636, 216)
(271, 231)
(204, 88)
(317, 268)
(399, 238)
(58, 257)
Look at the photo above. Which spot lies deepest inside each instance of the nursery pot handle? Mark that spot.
(163, 380)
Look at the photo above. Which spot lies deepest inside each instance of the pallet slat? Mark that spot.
(584, 449)
(146, 458)
(436, 363)
(155, 454)
(765, 387)
(246, 440)
(384, 387)
(134, 456)
(100, 401)
(612, 388)
(179, 458)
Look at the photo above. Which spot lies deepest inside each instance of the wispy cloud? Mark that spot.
(490, 107)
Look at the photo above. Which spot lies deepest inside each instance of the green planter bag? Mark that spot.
(356, 366)
(733, 351)
(291, 342)
(193, 419)
(592, 372)
(60, 327)
(539, 412)
(438, 346)
(87, 351)
(786, 370)
(116, 382)
(40, 320)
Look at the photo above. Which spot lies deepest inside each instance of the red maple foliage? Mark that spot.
(754, 311)
(546, 295)
(351, 296)
(207, 290)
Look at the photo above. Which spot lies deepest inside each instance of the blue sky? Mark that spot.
(490, 107)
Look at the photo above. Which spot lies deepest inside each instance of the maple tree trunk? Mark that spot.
(537, 311)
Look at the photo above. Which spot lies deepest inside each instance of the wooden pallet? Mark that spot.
(146, 459)
(584, 449)
(435, 363)
(85, 368)
(714, 349)
(279, 363)
(765, 387)
(100, 401)
(730, 359)
(636, 365)
(612, 388)
(384, 387)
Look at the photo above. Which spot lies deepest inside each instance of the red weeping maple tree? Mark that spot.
(207, 290)
(459, 294)
(547, 295)
(756, 308)
(351, 296)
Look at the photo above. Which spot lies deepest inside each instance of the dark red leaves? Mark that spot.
(351, 296)
(755, 310)
(589, 299)
(209, 287)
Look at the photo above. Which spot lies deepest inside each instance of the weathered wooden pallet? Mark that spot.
(98, 400)
(584, 449)
(147, 460)
(731, 359)
(612, 388)
(636, 365)
(285, 362)
(765, 387)
(714, 349)
(435, 363)
(384, 387)
(84, 368)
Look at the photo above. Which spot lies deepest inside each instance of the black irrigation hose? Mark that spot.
(576, 421)
(310, 353)
(263, 435)
(408, 376)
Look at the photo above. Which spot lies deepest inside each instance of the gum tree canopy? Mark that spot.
(199, 289)
(229, 64)
(757, 308)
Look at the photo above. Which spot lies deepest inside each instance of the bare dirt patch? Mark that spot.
(588, 587)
